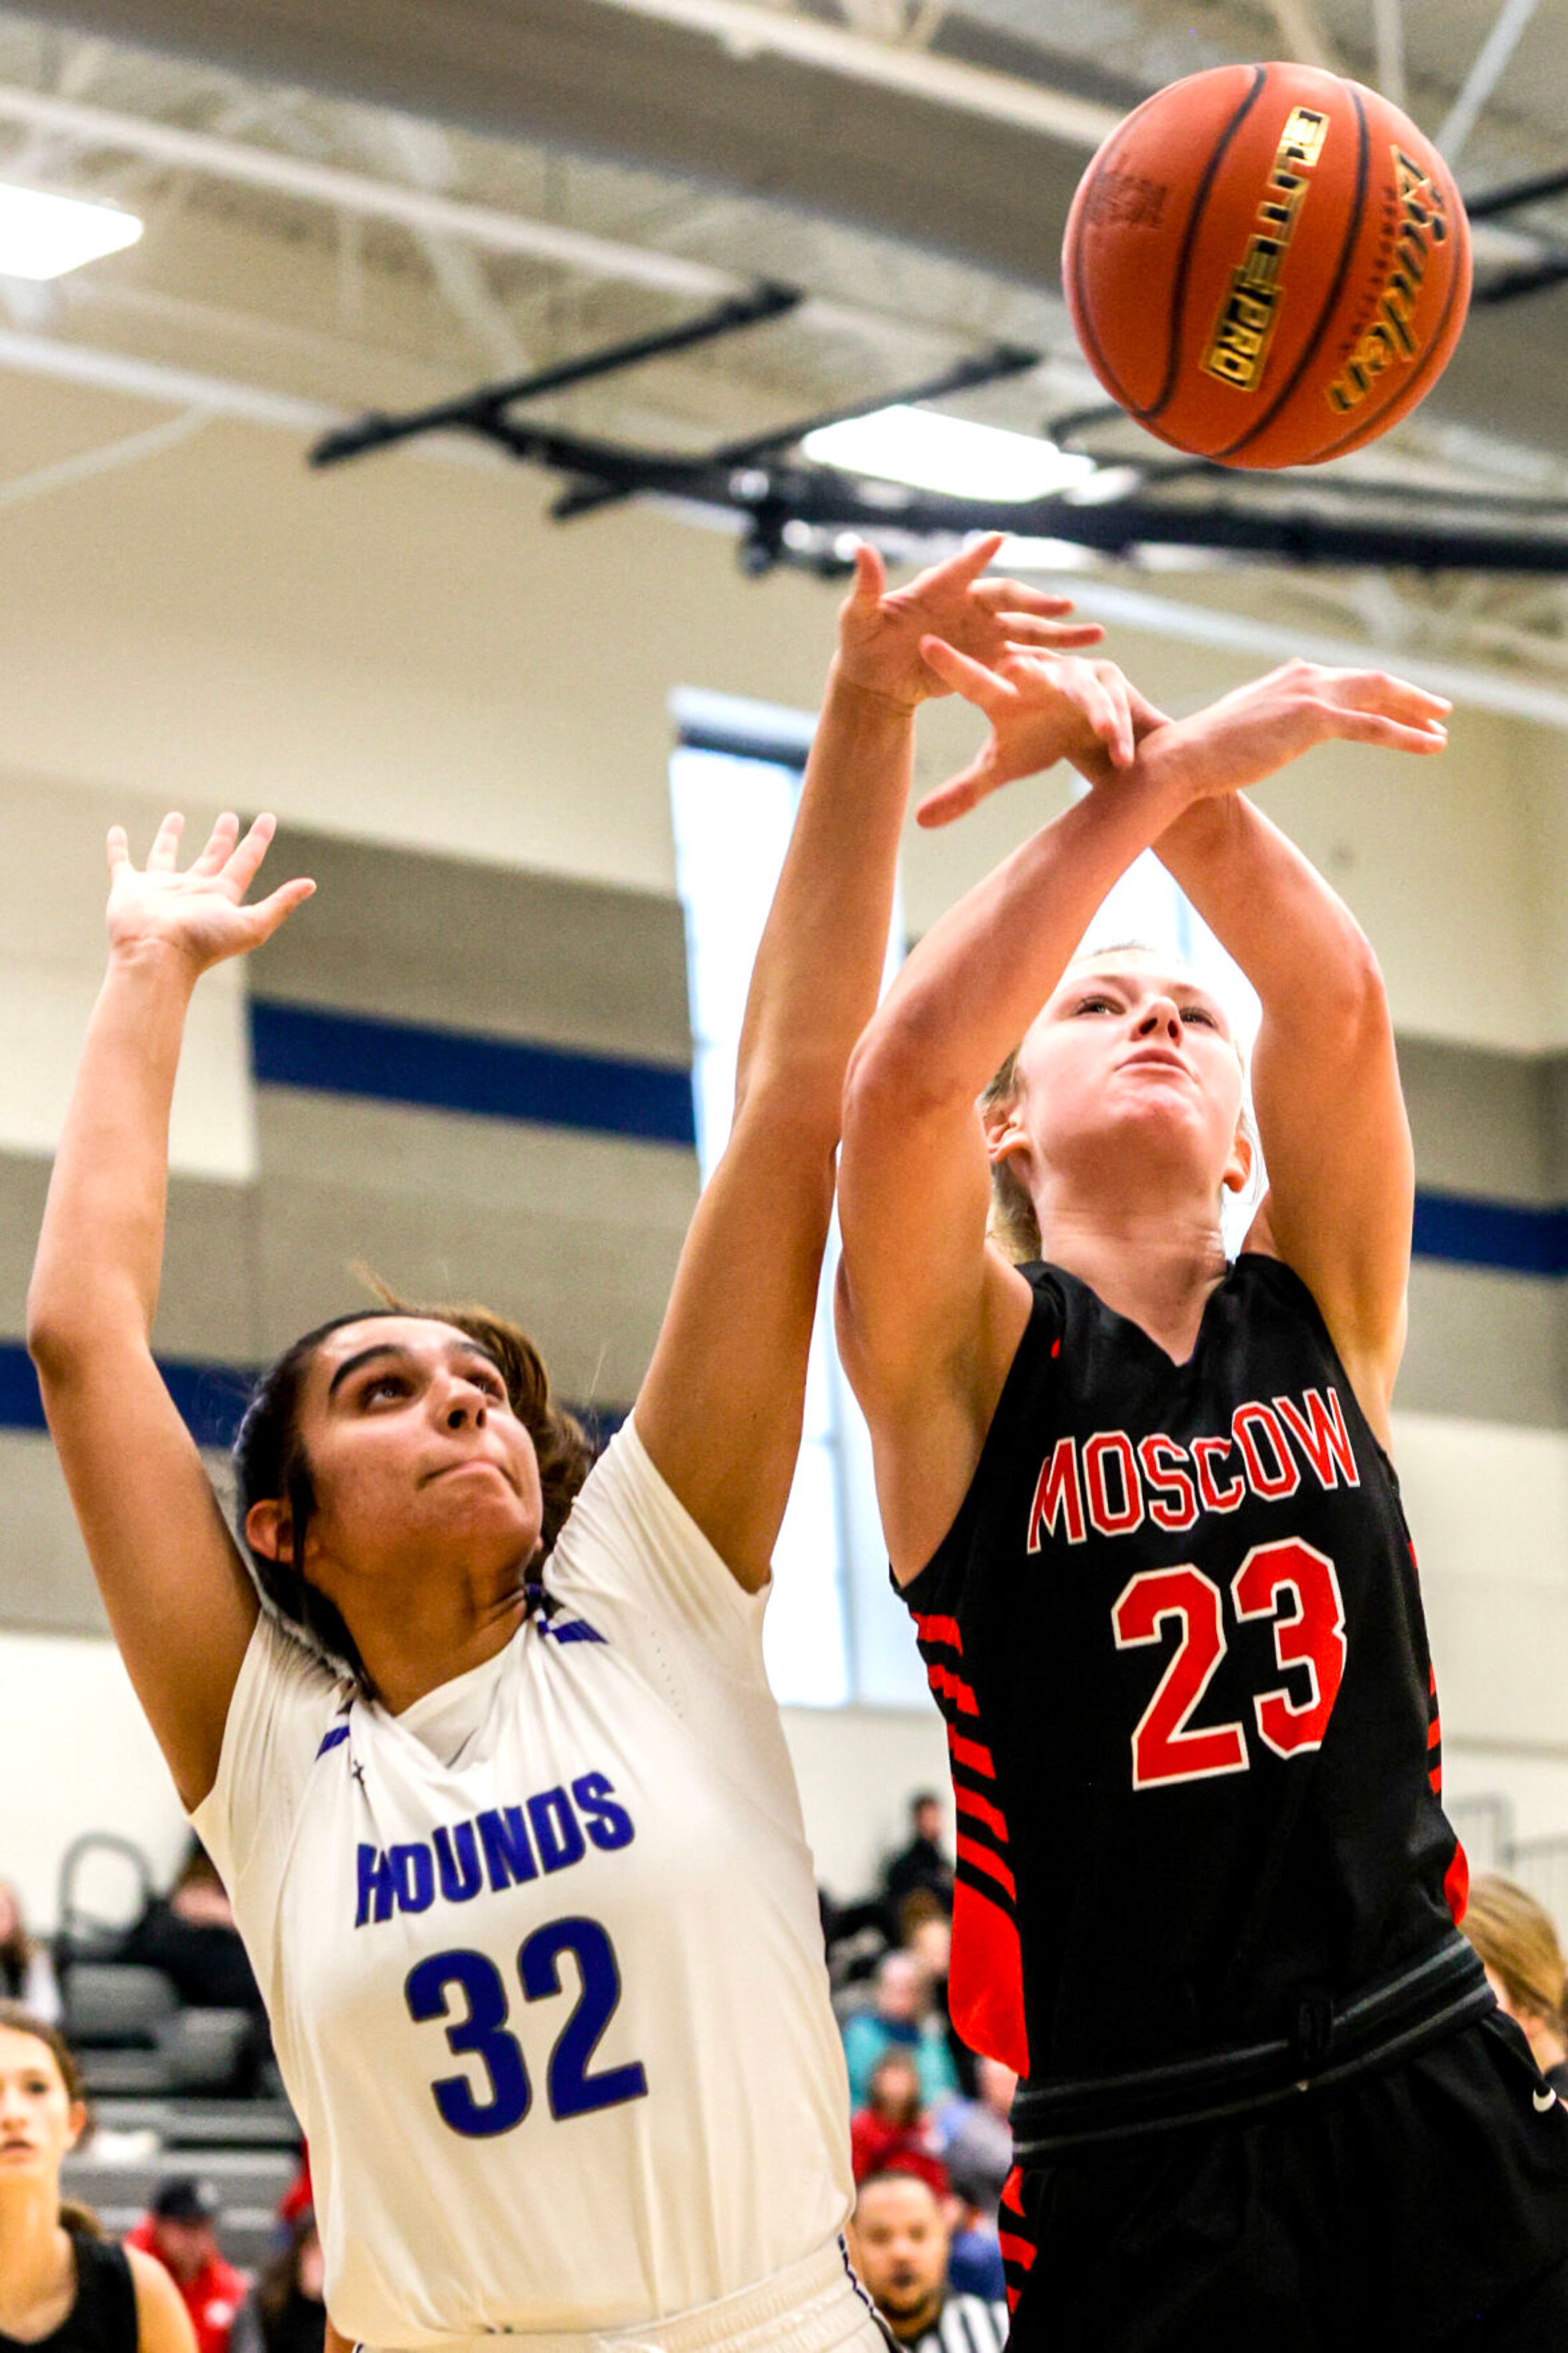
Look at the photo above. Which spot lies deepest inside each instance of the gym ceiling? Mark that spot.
(381, 205)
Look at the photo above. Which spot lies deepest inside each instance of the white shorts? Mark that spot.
(815, 2306)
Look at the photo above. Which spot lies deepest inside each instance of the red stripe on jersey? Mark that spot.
(941, 1630)
(970, 1802)
(1018, 2250)
(943, 1678)
(983, 1860)
(1434, 1732)
(969, 1753)
(986, 1980)
(1457, 1883)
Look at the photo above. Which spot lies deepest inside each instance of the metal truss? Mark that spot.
(790, 511)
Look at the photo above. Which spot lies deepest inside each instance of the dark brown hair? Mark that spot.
(280, 2277)
(270, 1463)
(81, 2221)
(16, 1949)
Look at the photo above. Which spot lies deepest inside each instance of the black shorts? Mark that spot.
(1392, 2211)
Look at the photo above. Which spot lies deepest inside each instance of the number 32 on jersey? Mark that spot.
(1289, 1583)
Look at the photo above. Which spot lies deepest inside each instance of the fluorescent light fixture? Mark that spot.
(43, 236)
(937, 452)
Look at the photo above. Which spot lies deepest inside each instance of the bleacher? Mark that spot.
(157, 2074)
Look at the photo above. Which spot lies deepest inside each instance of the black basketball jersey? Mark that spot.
(1176, 1635)
(103, 2317)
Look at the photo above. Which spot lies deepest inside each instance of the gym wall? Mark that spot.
(461, 715)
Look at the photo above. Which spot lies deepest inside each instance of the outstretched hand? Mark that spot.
(1250, 733)
(881, 630)
(1042, 710)
(199, 914)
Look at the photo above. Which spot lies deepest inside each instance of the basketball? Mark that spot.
(1267, 265)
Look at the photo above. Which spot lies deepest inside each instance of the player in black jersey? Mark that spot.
(1141, 1505)
(63, 2289)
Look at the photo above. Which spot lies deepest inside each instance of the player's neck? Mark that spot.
(412, 1653)
(1157, 1270)
(35, 2265)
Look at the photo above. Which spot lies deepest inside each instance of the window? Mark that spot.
(734, 782)
(834, 1630)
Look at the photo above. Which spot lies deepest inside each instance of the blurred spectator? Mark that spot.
(902, 2016)
(978, 2142)
(285, 2311)
(926, 1931)
(179, 2229)
(62, 2284)
(190, 1934)
(27, 1973)
(921, 1863)
(1518, 1942)
(300, 2196)
(892, 2133)
(898, 2240)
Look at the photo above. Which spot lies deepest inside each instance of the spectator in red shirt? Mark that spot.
(179, 2230)
(892, 2134)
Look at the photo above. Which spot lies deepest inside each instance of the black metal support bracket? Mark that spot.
(794, 512)
(485, 410)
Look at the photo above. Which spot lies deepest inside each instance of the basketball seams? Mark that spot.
(1101, 364)
(1331, 302)
(1107, 156)
(1174, 341)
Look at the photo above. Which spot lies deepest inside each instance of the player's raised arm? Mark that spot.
(1330, 1115)
(179, 1599)
(726, 1387)
(928, 1314)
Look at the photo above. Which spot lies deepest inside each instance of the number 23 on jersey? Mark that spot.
(1288, 1583)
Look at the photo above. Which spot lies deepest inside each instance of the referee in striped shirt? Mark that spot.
(899, 2240)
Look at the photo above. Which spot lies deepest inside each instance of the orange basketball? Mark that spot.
(1267, 265)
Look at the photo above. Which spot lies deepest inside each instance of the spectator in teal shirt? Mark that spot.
(902, 2017)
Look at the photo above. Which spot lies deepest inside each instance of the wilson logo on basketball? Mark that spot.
(1239, 345)
(1391, 337)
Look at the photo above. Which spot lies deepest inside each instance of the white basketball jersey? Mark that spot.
(541, 1954)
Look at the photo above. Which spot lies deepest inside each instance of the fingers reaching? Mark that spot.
(1352, 726)
(970, 679)
(870, 577)
(220, 842)
(954, 799)
(245, 857)
(271, 912)
(1033, 630)
(165, 849)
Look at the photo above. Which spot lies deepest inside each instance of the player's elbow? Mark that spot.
(895, 1078)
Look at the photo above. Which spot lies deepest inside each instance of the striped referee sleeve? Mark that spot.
(968, 2324)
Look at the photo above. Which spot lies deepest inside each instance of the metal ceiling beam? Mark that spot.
(793, 114)
(1388, 33)
(748, 31)
(423, 210)
(1302, 28)
(1491, 65)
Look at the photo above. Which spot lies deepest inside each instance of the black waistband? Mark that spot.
(1390, 2020)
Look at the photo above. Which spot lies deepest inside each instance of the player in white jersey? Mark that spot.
(520, 1866)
